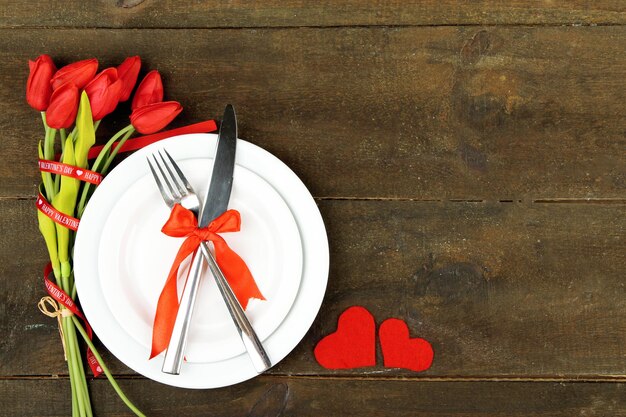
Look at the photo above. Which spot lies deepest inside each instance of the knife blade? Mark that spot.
(215, 203)
(221, 183)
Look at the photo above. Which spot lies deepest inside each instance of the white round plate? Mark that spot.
(135, 258)
(121, 260)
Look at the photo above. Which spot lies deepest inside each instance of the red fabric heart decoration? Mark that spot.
(400, 351)
(353, 345)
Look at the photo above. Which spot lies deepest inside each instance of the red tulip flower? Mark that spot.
(79, 73)
(128, 72)
(63, 106)
(149, 91)
(38, 88)
(104, 93)
(154, 117)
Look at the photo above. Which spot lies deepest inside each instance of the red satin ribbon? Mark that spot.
(66, 301)
(141, 141)
(183, 223)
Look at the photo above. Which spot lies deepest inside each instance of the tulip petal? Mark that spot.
(128, 71)
(63, 106)
(150, 90)
(104, 93)
(78, 73)
(38, 88)
(154, 117)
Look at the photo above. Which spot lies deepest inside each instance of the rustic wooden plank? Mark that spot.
(210, 14)
(421, 113)
(499, 289)
(271, 396)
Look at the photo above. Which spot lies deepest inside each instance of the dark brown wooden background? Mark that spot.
(468, 160)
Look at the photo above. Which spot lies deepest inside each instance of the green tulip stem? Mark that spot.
(80, 371)
(57, 183)
(74, 363)
(48, 148)
(99, 160)
(74, 401)
(48, 182)
(97, 166)
(63, 137)
(57, 179)
(110, 158)
(73, 294)
(106, 371)
(72, 357)
(72, 381)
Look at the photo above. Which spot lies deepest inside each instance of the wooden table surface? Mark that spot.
(468, 161)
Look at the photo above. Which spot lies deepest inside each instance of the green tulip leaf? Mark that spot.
(48, 231)
(86, 134)
(65, 202)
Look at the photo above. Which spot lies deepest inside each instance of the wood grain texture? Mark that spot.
(515, 104)
(272, 13)
(276, 397)
(500, 290)
(420, 113)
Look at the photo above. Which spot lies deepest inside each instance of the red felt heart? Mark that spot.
(400, 351)
(353, 345)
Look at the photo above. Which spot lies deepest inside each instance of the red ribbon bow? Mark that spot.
(183, 223)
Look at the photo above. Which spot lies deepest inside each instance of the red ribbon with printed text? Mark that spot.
(183, 223)
(60, 218)
(81, 174)
(66, 301)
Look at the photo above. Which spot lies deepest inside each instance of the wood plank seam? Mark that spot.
(364, 26)
(539, 379)
(608, 200)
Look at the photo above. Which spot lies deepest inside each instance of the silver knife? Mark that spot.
(215, 203)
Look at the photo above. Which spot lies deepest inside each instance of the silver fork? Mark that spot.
(176, 189)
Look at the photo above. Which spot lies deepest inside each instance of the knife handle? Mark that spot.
(178, 340)
(259, 357)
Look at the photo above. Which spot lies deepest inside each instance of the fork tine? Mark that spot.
(181, 176)
(168, 180)
(168, 199)
(182, 190)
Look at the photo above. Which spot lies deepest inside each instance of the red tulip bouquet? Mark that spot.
(73, 102)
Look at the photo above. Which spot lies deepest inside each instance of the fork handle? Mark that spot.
(257, 353)
(178, 341)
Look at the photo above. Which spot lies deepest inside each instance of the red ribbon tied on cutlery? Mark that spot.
(183, 223)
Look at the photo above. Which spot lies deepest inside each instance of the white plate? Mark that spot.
(282, 235)
(135, 258)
